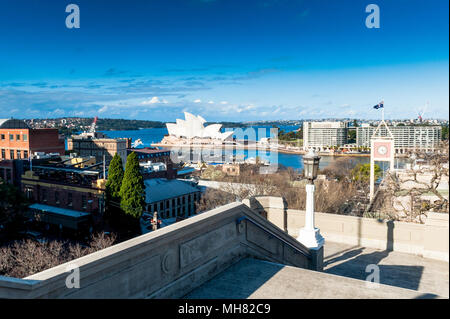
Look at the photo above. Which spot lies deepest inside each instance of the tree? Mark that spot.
(444, 132)
(114, 183)
(132, 189)
(410, 193)
(361, 173)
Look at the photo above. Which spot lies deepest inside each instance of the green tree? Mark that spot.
(114, 183)
(132, 189)
(444, 132)
(361, 173)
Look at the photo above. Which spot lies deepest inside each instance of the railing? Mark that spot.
(240, 219)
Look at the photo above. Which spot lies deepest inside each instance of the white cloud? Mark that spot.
(197, 101)
(211, 102)
(103, 109)
(224, 102)
(154, 100)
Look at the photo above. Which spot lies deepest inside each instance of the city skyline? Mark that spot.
(224, 60)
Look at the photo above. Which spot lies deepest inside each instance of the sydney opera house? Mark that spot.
(192, 130)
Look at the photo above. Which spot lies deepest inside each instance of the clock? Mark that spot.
(382, 150)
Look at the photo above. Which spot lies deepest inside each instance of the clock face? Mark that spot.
(382, 150)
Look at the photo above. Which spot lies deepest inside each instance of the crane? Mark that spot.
(94, 125)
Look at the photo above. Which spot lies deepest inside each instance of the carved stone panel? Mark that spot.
(201, 246)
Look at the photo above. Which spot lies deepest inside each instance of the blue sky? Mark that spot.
(228, 60)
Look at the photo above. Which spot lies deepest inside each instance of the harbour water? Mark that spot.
(155, 135)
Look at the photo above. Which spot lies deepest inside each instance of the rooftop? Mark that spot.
(59, 210)
(13, 123)
(147, 150)
(158, 189)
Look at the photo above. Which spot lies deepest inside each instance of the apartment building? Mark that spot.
(324, 135)
(406, 137)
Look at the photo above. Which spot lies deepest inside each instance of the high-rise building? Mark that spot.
(324, 135)
(410, 137)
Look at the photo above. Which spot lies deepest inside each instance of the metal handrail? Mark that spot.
(240, 219)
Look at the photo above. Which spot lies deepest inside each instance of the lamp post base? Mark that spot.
(311, 238)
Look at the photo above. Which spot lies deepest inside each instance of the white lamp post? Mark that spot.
(309, 235)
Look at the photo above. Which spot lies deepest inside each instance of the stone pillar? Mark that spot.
(274, 209)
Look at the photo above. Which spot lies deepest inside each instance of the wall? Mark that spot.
(46, 140)
(430, 240)
(93, 194)
(6, 144)
(169, 262)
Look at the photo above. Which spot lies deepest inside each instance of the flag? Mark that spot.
(379, 105)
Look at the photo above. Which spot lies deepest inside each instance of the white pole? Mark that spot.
(309, 235)
(309, 217)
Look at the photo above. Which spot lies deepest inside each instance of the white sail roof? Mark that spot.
(193, 126)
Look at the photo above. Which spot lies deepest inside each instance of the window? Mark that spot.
(11, 137)
(29, 193)
(3, 136)
(56, 197)
(25, 137)
(161, 205)
(3, 154)
(25, 154)
(18, 154)
(11, 154)
(17, 137)
(69, 199)
(83, 202)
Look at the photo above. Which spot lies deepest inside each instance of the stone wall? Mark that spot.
(430, 240)
(169, 262)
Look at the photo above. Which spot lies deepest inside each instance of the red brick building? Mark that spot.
(18, 140)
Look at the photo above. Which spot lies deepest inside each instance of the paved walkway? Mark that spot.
(252, 278)
(396, 269)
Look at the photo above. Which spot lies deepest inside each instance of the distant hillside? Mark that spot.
(124, 125)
